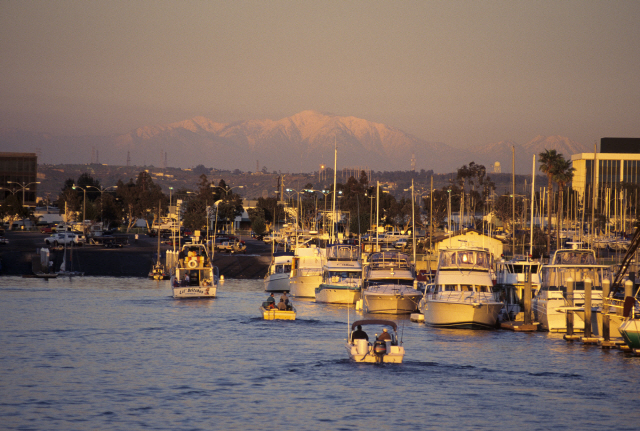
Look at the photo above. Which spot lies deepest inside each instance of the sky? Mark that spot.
(464, 73)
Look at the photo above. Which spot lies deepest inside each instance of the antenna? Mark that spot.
(128, 158)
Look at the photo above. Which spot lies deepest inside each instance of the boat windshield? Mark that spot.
(471, 259)
(342, 276)
(389, 259)
(574, 257)
(394, 281)
(281, 269)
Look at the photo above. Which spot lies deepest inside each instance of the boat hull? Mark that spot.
(336, 294)
(277, 283)
(275, 314)
(304, 286)
(385, 303)
(362, 351)
(461, 315)
(630, 331)
(195, 292)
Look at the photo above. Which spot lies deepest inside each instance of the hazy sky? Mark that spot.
(460, 72)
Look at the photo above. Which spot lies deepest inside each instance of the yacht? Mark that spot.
(306, 272)
(550, 305)
(277, 278)
(510, 280)
(194, 275)
(341, 275)
(389, 284)
(462, 294)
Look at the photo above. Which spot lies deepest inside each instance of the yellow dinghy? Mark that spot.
(275, 314)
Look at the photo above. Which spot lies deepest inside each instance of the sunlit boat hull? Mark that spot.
(362, 351)
(630, 331)
(461, 315)
(277, 283)
(275, 314)
(332, 294)
(390, 301)
(304, 286)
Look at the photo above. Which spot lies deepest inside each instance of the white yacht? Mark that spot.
(277, 277)
(389, 284)
(510, 280)
(194, 275)
(462, 295)
(341, 275)
(306, 272)
(550, 305)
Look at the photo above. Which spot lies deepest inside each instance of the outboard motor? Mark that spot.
(379, 349)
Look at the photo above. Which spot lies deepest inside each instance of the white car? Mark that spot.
(62, 238)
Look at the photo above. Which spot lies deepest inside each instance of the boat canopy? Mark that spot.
(375, 322)
(574, 257)
(465, 258)
(343, 252)
(389, 259)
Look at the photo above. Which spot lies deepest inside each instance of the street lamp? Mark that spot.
(24, 187)
(226, 192)
(84, 202)
(102, 189)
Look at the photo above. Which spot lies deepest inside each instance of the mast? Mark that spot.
(533, 188)
(334, 234)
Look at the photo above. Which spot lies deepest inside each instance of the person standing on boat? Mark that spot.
(359, 334)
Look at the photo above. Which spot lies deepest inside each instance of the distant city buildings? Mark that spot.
(617, 162)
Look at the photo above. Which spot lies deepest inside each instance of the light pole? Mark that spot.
(84, 202)
(226, 192)
(102, 189)
(24, 187)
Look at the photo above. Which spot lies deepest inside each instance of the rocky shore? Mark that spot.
(133, 260)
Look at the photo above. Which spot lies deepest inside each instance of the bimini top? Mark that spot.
(375, 322)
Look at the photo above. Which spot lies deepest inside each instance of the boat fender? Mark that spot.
(192, 264)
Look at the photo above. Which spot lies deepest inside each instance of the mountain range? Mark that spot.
(299, 143)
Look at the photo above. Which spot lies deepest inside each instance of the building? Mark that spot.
(19, 176)
(617, 162)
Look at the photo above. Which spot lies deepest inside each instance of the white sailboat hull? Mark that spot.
(461, 315)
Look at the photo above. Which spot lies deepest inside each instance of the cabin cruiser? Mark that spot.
(341, 275)
(511, 277)
(462, 295)
(306, 272)
(389, 284)
(277, 277)
(550, 305)
(381, 349)
(194, 275)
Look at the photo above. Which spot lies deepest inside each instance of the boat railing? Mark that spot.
(306, 272)
(464, 297)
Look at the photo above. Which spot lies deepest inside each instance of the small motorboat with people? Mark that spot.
(277, 277)
(284, 310)
(384, 347)
(550, 305)
(390, 284)
(341, 275)
(462, 295)
(194, 275)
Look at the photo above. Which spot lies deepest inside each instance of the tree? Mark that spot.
(139, 198)
(548, 163)
(563, 175)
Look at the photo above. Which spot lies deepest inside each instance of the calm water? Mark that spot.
(116, 353)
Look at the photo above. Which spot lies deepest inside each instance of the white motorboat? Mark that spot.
(550, 305)
(341, 275)
(306, 272)
(510, 282)
(390, 284)
(377, 350)
(462, 295)
(277, 277)
(194, 275)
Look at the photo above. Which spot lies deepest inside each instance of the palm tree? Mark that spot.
(563, 175)
(549, 160)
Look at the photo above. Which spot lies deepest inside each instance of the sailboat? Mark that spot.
(158, 270)
(63, 266)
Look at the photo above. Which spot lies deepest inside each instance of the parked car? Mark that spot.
(62, 238)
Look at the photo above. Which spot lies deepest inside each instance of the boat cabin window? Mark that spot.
(466, 288)
(283, 269)
(465, 259)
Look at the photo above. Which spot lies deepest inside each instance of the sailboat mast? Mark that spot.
(334, 234)
(533, 188)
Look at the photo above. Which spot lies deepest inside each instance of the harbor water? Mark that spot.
(120, 354)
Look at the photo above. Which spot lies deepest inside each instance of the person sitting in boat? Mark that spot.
(282, 306)
(384, 336)
(271, 301)
(359, 334)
